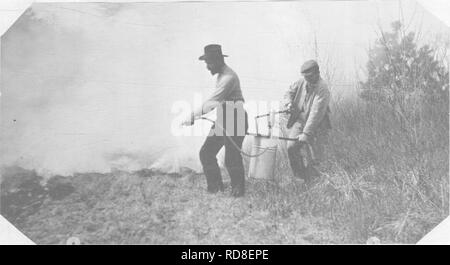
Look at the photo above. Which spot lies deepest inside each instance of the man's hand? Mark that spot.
(188, 121)
(288, 106)
(304, 138)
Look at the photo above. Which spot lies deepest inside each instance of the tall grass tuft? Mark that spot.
(375, 180)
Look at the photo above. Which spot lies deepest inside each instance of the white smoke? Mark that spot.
(90, 87)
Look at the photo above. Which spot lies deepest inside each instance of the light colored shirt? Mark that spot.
(228, 88)
(306, 96)
(312, 105)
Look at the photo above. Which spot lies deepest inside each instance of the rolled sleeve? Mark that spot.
(223, 89)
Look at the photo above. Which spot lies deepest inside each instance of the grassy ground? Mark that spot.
(148, 208)
(384, 176)
(379, 178)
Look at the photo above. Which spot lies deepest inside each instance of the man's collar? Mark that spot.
(310, 87)
(223, 69)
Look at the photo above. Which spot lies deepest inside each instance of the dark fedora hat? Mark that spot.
(212, 51)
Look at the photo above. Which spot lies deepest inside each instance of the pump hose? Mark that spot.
(235, 145)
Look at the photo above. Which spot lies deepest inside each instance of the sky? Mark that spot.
(91, 86)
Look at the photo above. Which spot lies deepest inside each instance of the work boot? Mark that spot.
(300, 175)
(312, 175)
(216, 187)
(221, 186)
(237, 181)
(213, 189)
(237, 192)
(297, 165)
(213, 179)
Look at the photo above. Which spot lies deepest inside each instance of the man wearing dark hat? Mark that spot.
(230, 127)
(308, 100)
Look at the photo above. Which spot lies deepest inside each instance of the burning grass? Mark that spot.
(378, 180)
(152, 208)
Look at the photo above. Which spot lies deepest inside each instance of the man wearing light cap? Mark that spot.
(230, 127)
(308, 101)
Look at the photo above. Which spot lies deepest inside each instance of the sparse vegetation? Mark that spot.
(153, 208)
(386, 170)
(385, 175)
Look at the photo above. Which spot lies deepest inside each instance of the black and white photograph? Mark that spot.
(226, 122)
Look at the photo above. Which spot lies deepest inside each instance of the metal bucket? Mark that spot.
(263, 166)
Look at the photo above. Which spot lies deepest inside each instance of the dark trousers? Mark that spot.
(233, 157)
(233, 162)
(303, 164)
(296, 159)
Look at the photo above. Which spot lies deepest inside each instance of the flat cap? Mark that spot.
(310, 66)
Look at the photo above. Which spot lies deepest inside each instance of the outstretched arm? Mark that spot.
(224, 88)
